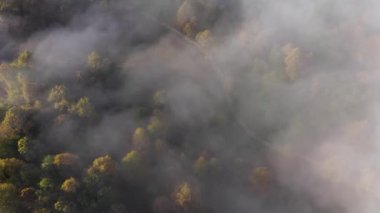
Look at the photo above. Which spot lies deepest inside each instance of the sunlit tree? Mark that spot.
(102, 165)
(187, 197)
(69, 185)
(22, 60)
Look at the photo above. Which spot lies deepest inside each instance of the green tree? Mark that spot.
(46, 184)
(47, 162)
(155, 126)
(22, 60)
(8, 148)
(82, 108)
(57, 96)
(28, 148)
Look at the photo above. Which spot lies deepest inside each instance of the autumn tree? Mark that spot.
(187, 197)
(65, 159)
(69, 185)
(13, 124)
(102, 165)
(97, 185)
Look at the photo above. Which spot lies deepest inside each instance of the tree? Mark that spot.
(27, 193)
(159, 98)
(64, 206)
(29, 174)
(28, 148)
(134, 165)
(69, 185)
(140, 139)
(46, 184)
(18, 87)
(195, 15)
(47, 162)
(201, 165)
(96, 62)
(155, 126)
(9, 168)
(102, 165)
(185, 17)
(6, 5)
(8, 148)
(65, 159)
(82, 108)
(27, 88)
(27, 197)
(187, 197)
(13, 124)
(8, 198)
(22, 60)
(57, 96)
(204, 38)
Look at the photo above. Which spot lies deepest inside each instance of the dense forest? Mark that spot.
(189, 106)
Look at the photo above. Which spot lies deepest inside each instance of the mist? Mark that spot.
(260, 106)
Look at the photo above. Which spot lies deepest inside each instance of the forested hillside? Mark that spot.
(189, 106)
